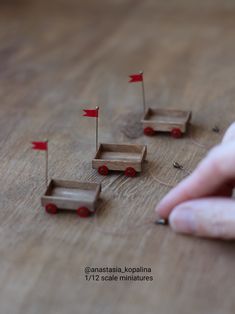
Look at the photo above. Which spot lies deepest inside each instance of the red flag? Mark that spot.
(91, 113)
(39, 145)
(136, 78)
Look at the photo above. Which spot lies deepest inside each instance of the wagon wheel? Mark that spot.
(51, 209)
(130, 172)
(83, 212)
(176, 133)
(149, 131)
(103, 170)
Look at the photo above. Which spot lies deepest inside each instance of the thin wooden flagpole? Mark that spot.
(97, 129)
(46, 173)
(143, 91)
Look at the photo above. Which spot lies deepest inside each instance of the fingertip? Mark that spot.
(158, 209)
(182, 220)
(177, 195)
(161, 209)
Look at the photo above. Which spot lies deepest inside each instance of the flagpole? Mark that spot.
(143, 91)
(97, 128)
(46, 174)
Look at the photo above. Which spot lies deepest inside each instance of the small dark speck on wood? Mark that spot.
(177, 165)
(216, 129)
(161, 221)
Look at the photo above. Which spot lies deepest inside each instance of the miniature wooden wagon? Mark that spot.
(120, 157)
(71, 195)
(166, 120)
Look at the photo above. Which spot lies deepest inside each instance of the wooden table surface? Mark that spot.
(58, 57)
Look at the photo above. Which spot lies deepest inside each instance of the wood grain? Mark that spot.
(57, 57)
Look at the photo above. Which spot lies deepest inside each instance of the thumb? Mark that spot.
(208, 217)
(229, 134)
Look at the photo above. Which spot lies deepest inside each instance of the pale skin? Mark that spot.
(202, 204)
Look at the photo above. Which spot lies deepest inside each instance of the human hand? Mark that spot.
(201, 204)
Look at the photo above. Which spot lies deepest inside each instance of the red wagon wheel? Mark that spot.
(83, 212)
(176, 133)
(130, 172)
(51, 209)
(149, 131)
(103, 170)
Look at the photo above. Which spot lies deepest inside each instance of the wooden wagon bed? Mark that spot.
(166, 120)
(71, 195)
(119, 157)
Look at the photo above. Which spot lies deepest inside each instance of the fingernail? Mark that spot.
(183, 220)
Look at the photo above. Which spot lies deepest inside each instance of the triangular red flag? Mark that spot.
(136, 78)
(39, 145)
(91, 113)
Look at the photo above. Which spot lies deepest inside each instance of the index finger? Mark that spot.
(212, 173)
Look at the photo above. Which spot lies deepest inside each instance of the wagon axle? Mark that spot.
(129, 172)
(82, 212)
(175, 133)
